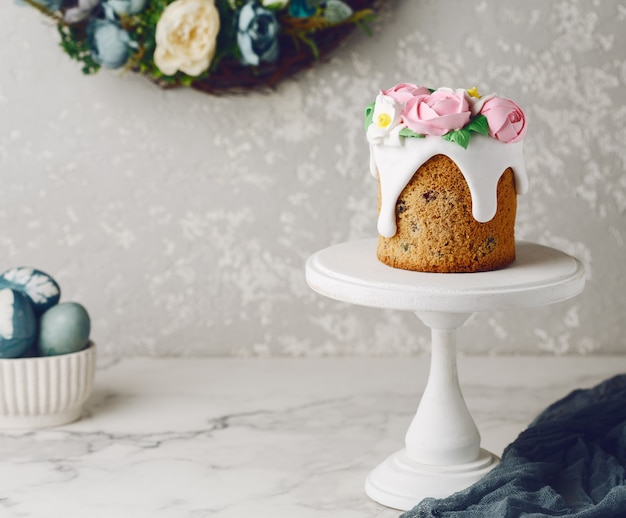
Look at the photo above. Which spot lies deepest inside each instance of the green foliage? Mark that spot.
(142, 29)
(227, 37)
(363, 19)
(407, 132)
(74, 43)
(276, 6)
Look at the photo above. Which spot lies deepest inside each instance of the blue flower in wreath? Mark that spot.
(81, 11)
(257, 34)
(109, 44)
(123, 7)
(302, 8)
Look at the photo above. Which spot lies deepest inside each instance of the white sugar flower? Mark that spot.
(386, 122)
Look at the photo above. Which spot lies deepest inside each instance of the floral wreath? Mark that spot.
(212, 45)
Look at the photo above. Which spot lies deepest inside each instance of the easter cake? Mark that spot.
(449, 166)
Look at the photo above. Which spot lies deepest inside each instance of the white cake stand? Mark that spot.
(442, 453)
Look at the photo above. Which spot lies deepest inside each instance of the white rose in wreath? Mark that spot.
(186, 36)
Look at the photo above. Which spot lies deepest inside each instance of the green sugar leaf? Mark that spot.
(407, 132)
(460, 137)
(369, 114)
(479, 124)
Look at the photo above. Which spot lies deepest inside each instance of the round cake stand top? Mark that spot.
(350, 272)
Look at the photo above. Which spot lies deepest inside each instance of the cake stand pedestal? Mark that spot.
(442, 453)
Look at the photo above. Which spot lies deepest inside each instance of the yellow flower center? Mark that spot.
(473, 92)
(383, 120)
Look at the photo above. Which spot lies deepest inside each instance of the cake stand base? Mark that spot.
(401, 483)
(442, 453)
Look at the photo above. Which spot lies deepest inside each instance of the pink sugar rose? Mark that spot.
(506, 119)
(402, 92)
(438, 113)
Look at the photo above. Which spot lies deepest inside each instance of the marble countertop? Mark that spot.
(268, 438)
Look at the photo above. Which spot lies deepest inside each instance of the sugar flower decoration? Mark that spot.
(507, 122)
(410, 111)
(386, 118)
(402, 92)
(438, 113)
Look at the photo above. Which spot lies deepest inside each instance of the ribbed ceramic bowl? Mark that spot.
(47, 391)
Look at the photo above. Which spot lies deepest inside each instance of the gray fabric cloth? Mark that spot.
(570, 461)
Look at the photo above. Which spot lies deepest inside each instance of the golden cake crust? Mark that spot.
(436, 229)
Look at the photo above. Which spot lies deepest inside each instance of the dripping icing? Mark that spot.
(481, 164)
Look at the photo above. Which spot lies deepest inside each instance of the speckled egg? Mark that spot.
(18, 324)
(63, 329)
(40, 288)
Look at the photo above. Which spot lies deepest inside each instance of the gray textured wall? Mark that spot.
(182, 221)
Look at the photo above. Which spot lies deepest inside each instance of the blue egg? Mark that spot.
(63, 329)
(18, 324)
(41, 289)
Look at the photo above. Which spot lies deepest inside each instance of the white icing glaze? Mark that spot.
(482, 164)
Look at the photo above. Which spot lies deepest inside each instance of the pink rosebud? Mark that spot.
(506, 119)
(438, 113)
(404, 91)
